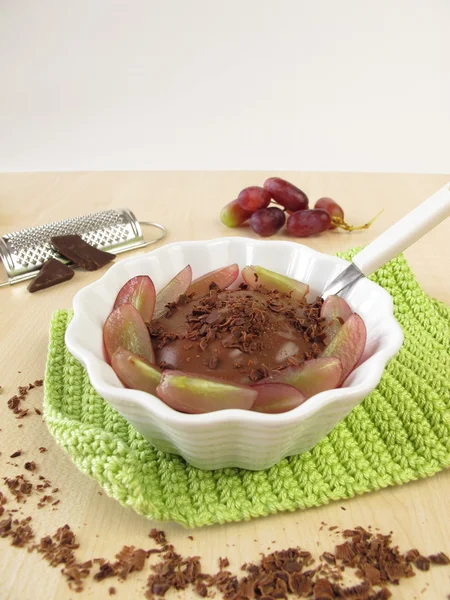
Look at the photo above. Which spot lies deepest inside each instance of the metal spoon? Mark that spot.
(394, 240)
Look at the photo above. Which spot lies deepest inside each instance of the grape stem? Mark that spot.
(338, 222)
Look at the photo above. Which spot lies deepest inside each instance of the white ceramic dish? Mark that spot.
(233, 437)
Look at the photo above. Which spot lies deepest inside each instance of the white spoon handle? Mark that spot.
(405, 232)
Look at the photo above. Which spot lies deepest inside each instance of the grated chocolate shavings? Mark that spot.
(371, 557)
(158, 536)
(323, 590)
(439, 559)
(422, 563)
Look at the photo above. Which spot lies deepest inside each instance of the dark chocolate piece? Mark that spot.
(52, 272)
(81, 253)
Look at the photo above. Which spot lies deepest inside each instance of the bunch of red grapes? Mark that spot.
(253, 204)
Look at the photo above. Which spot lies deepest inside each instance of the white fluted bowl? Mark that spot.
(233, 438)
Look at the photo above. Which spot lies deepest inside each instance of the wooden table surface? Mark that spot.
(188, 203)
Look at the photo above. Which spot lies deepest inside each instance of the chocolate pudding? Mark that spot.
(240, 335)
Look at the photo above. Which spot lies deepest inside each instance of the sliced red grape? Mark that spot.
(286, 194)
(348, 344)
(126, 328)
(223, 277)
(312, 377)
(308, 222)
(276, 398)
(140, 292)
(192, 394)
(134, 372)
(173, 290)
(267, 221)
(255, 276)
(233, 215)
(335, 311)
(253, 198)
(332, 208)
(330, 329)
(335, 306)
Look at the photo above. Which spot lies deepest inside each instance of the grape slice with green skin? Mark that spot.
(134, 372)
(335, 311)
(348, 344)
(223, 277)
(255, 276)
(173, 290)
(311, 377)
(125, 328)
(140, 292)
(275, 398)
(335, 306)
(191, 394)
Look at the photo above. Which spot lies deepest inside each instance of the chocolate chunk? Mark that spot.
(52, 272)
(412, 555)
(323, 590)
(81, 253)
(439, 559)
(383, 594)
(345, 552)
(422, 563)
(329, 558)
(372, 574)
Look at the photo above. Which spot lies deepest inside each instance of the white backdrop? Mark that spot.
(230, 84)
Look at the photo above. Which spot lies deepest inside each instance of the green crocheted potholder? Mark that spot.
(399, 433)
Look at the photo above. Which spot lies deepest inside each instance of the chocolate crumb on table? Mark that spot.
(370, 556)
(439, 559)
(422, 563)
(14, 403)
(286, 571)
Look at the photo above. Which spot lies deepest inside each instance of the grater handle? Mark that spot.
(158, 226)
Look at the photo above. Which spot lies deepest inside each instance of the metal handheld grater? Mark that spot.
(24, 252)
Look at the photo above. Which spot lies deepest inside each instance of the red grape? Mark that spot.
(267, 221)
(332, 208)
(253, 198)
(233, 215)
(308, 222)
(286, 194)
